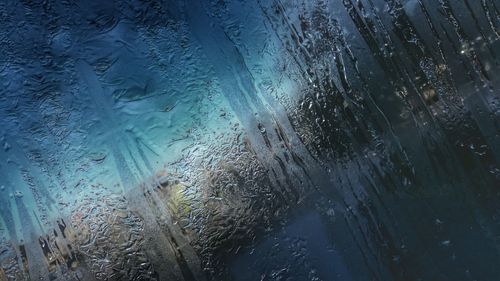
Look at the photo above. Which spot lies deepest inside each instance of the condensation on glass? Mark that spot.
(250, 140)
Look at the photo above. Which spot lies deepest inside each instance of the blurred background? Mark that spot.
(250, 140)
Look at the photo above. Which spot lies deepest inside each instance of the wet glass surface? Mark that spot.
(250, 140)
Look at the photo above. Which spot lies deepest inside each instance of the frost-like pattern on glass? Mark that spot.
(250, 140)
